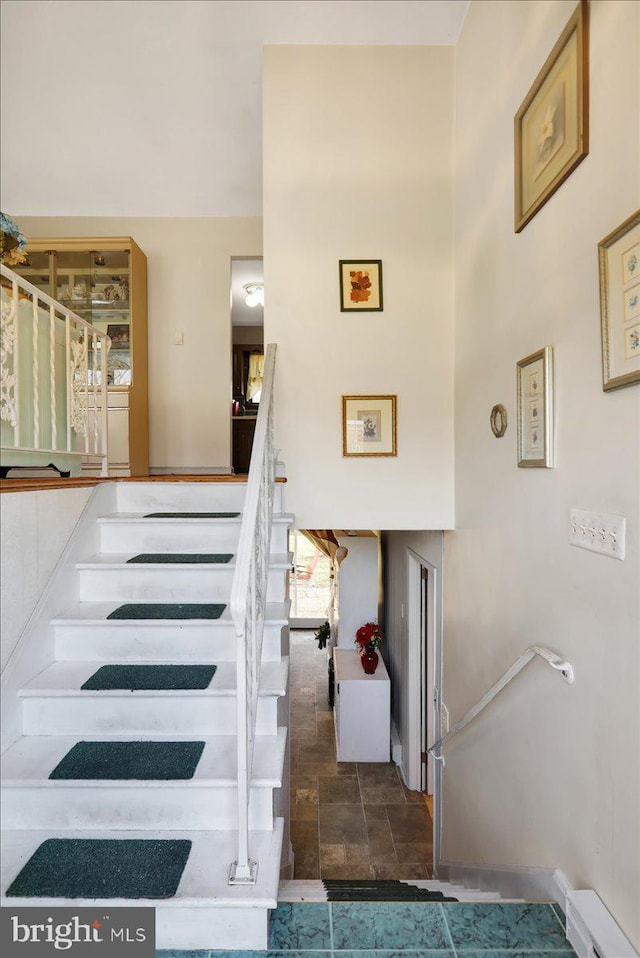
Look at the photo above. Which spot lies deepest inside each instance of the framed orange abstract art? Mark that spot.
(360, 285)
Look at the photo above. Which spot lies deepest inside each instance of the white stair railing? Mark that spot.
(248, 601)
(51, 414)
(562, 666)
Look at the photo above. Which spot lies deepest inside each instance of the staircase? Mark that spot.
(183, 560)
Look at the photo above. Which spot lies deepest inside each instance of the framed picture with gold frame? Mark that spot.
(535, 410)
(619, 266)
(369, 426)
(552, 124)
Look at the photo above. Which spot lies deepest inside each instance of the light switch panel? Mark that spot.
(178, 339)
(598, 532)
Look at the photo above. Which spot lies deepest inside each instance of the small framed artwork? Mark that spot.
(535, 410)
(552, 124)
(118, 333)
(369, 426)
(360, 285)
(619, 265)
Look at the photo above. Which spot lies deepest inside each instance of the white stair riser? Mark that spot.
(188, 496)
(108, 805)
(152, 643)
(139, 583)
(149, 535)
(148, 497)
(195, 715)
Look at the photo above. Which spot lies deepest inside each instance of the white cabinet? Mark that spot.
(362, 710)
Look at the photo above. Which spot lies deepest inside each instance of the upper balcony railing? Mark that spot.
(53, 386)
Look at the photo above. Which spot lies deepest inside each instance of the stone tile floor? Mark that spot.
(348, 819)
(408, 930)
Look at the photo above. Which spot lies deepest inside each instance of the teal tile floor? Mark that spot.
(408, 930)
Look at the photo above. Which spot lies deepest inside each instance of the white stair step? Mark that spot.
(292, 891)
(55, 703)
(132, 532)
(461, 892)
(83, 632)
(205, 909)
(110, 576)
(208, 800)
(66, 678)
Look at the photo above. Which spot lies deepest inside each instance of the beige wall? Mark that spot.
(550, 776)
(34, 530)
(357, 163)
(189, 276)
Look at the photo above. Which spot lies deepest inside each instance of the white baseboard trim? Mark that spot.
(396, 747)
(512, 881)
(190, 471)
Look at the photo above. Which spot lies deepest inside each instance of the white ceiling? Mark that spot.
(153, 107)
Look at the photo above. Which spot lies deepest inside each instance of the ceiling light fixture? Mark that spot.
(254, 294)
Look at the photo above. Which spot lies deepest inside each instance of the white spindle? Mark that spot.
(35, 360)
(94, 365)
(69, 368)
(52, 376)
(16, 360)
(106, 342)
(85, 387)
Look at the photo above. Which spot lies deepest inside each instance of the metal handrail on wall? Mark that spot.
(248, 602)
(47, 412)
(554, 661)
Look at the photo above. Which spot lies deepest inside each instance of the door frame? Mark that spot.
(415, 563)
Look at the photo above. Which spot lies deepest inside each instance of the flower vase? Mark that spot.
(369, 661)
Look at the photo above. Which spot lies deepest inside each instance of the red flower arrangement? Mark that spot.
(368, 636)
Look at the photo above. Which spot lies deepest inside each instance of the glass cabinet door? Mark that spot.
(110, 309)
(95, 285)
(37, 270)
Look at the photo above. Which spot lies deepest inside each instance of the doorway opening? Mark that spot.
(425, 668)
(309, 583)
(247, 356)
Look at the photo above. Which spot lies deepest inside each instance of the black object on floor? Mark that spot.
(150, 677)
(378, 890)
(168, 610)
(114, 761)
(192, 515)
(102, 868)
(159, 558)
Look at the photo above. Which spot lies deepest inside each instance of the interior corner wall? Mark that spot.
(357, 164)
(189, 283)
(550, 774)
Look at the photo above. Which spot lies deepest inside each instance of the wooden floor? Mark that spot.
(349, 820)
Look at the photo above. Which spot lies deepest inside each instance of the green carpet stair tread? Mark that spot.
(168, 610)
(103, 868)
(196, 558)
(379, 890)
(150, 678)
(191, 515)
(117, 761)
